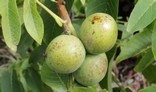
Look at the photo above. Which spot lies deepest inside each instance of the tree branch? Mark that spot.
(69, 29)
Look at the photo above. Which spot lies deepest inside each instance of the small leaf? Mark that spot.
(53, 79)
(135, 45)
(149, 73)
(11, 26)
(146, 60)
(142, 15)
(106, 6)
(33, 21)
(148, 89)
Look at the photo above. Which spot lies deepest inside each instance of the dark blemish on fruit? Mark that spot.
(93, 33)
(92, 22)
(96, 19)
(106, 17)
(56, 45)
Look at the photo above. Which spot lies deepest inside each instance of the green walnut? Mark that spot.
(65, 54)
(98, 33)
(92, 71)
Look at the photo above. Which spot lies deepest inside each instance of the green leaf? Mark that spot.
(11, 26)
(106, 6)
(46, 88)
(53, 79)
(84, 89)
(37, 52)
(142, 15)
(50, 26)
(24, 44)
(148, 89)
(69, 4)
(33, 80)
(33, 21)
(78, 7)
(135, 45)
(103, 90)
(149, 73)
(154, 39)
(9, 82)
(146, 60)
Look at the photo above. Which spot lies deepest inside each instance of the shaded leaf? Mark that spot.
(142, 15)
(106, 6)
(78, 7)
(69, 4)
(33, 21)
(154, 39)
(135, 45)
(37, 52)
(9, 82)
(20, 67)
(149, 73)
(148, 89)
(53, 79)
(46, 88)
(25, 43)
(11, 26)
(145, 61)
(33, 80)
(51, 28)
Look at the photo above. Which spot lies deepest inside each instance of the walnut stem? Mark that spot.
(69, 29)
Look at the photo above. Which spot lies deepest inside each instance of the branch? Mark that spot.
(69, 29)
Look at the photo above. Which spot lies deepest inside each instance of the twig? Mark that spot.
(115, 79)
(69, 29)
(59, 21)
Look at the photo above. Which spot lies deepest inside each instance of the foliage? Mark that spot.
(29, 25)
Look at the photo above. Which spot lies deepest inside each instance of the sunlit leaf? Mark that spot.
(33, 21)
(142, 15)
(148, 89)
(135, 45)
(11, 26)
(84, 89)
